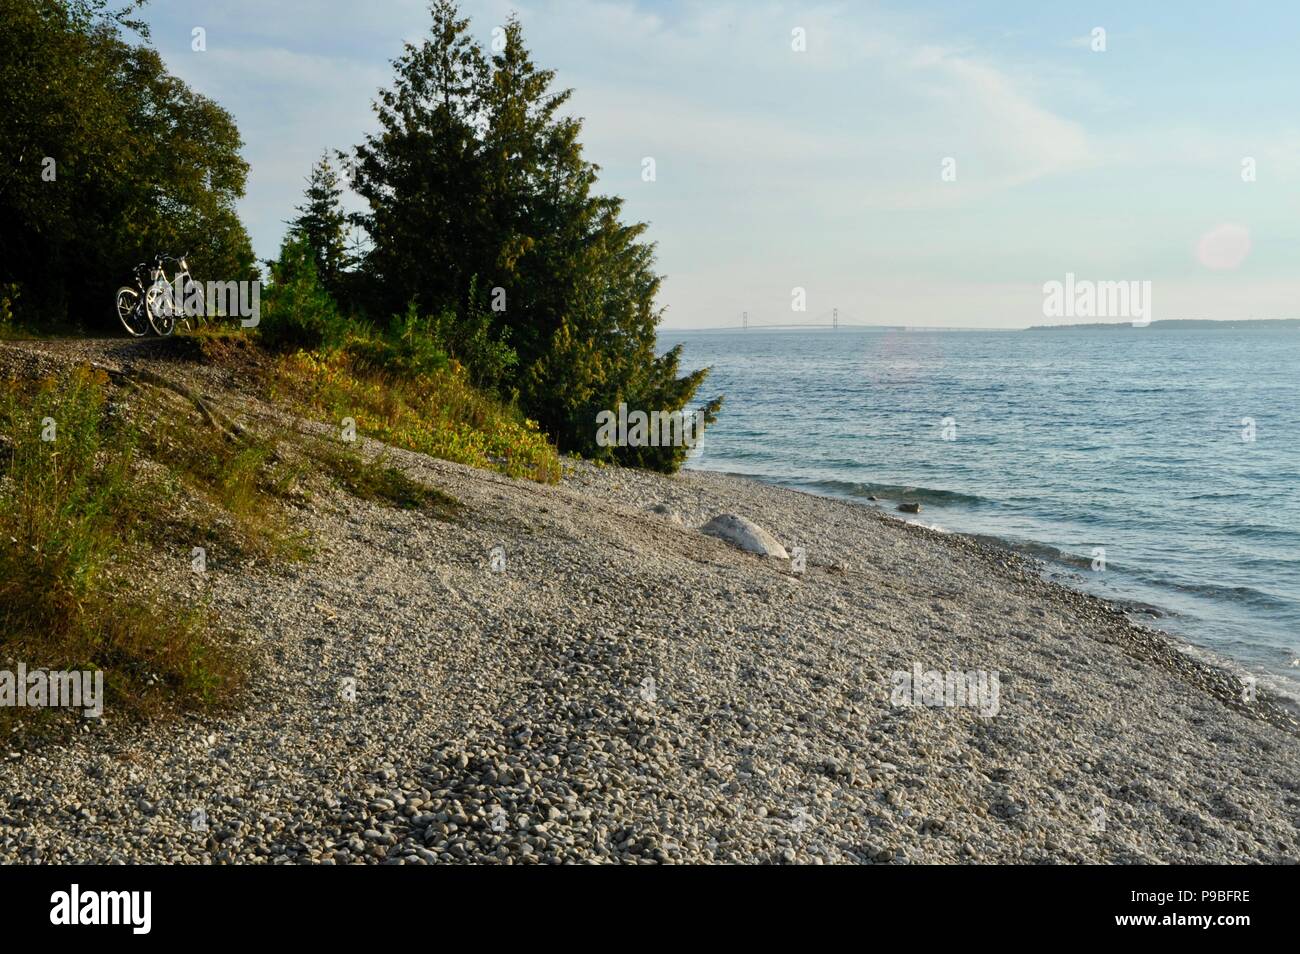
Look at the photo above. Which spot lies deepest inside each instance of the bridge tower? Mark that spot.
(744, 320)
(835, 319)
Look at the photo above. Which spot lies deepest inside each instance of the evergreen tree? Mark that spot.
(322, 224)
(584, 316)
(421, 173)
(477, 178)
(537, 193)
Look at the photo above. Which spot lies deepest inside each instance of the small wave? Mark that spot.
(1036, 550)
(737, 454)
(931, 495)
(1227, 594)
(1241, 594)
(1285, 689)
(1256, 531)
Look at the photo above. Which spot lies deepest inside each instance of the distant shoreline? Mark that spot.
(1195, 324)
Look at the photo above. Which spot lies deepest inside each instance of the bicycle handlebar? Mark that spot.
(160, 259)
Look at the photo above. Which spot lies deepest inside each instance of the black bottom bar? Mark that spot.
(266, 903)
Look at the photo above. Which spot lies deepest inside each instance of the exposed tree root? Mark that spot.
(231, 430)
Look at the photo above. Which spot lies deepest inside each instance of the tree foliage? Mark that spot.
(420, 174)
(298, 311)
(107, 159)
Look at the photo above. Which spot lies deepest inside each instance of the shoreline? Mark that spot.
(994, 548)
(1284, 692)
(627, 689)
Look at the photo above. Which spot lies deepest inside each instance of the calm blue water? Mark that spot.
(1066, 441)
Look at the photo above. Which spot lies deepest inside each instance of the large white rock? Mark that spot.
(745, 534)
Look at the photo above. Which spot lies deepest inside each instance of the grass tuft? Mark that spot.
(378, 481)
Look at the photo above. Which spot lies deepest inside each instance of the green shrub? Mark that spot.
(297, 311)
(10, 292)
(411, 347)
(474, 340)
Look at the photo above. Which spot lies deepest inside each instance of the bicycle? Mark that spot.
(130, 302)
(169, 303)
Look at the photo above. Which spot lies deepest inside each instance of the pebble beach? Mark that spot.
(619, 687)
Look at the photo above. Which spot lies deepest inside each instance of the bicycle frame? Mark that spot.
(172, 294)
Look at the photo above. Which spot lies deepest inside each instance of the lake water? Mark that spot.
(1172, 453)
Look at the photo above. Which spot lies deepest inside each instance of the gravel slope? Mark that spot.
(627, 689)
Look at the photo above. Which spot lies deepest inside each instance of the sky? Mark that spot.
(924, 163)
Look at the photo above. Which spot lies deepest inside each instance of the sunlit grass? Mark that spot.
(437, 413)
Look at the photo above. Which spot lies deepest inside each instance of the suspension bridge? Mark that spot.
(832, 318)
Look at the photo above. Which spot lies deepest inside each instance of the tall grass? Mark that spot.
(72, 509)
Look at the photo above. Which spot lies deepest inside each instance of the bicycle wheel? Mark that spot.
(159, 309)
(129, 311)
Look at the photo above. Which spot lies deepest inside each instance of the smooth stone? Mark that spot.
(909, 507)
(744, 533)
